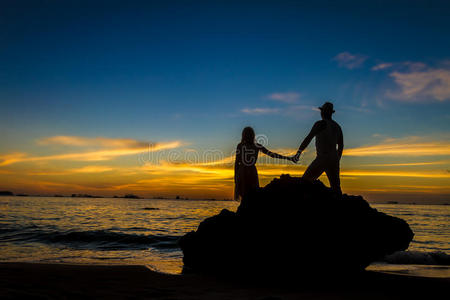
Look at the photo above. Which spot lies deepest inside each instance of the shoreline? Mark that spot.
(44, 280)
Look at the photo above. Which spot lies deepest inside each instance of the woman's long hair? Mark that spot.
(248, 135)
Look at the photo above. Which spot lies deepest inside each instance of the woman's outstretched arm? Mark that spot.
(272, 154)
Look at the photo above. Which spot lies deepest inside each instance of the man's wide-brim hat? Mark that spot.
(327, 107)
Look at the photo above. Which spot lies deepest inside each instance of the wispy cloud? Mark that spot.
(418, 82)
(93, 142)
(409, 146)
(260, 111)
(382, 66)
(349, 60)
(410, 164)
(295, 110)
(82, 170)
(422, 174)
(289, 97)
(111, 148)
(420, 85)
(11, 158)
(92, 169)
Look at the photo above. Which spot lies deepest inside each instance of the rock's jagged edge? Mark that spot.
(292, 225)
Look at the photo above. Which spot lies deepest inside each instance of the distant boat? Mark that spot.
(392, 202)
(6, 193)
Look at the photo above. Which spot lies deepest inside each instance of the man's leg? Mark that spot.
(314, 170)
(332, 172)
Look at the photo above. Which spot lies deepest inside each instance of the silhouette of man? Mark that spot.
(328, 134)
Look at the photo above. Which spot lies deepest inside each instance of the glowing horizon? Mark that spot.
(174, 168)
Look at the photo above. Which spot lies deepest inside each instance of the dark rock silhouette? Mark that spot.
(292, 225)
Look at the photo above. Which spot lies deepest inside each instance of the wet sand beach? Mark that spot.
(50, 281)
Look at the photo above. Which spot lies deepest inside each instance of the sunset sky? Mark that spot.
(150, 97)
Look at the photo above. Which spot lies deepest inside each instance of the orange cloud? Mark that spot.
(119, 147)
(422, 174)
(11, 158)
(96, 142)
(410, 146)
(409, 164)
(92, 169)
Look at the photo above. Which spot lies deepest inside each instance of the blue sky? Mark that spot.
(201, 71)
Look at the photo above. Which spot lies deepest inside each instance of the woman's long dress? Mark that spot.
(246, 175)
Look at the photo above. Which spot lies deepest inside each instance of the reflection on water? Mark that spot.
(431, 243)
(101, 231)
(139, 231)
(430, 223)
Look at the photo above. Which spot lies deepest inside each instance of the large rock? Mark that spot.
(293, 225)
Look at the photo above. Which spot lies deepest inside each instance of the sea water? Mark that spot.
(145, 232)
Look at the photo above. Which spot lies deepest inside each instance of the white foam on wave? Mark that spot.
(432, 271)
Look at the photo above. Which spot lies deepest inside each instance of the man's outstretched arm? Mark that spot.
(317, 127)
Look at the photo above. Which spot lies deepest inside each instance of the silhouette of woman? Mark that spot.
(245, 173)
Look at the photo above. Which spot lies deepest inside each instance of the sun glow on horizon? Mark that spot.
(170, 168)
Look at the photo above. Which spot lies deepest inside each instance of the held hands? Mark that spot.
(296, 157)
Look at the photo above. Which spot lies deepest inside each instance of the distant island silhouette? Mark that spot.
(126, 196)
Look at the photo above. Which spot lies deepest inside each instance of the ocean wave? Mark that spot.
(418, 258)
(95, 239)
